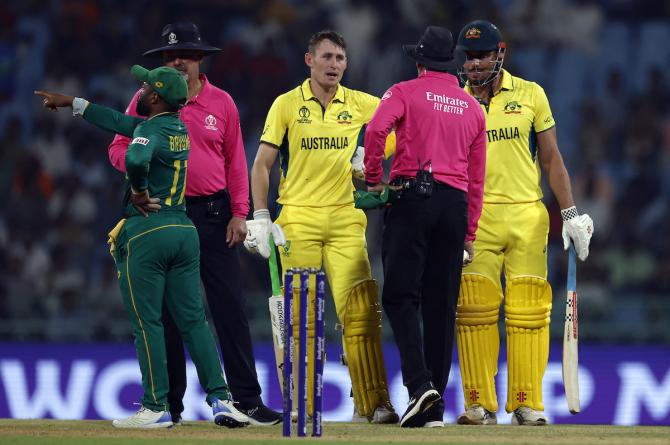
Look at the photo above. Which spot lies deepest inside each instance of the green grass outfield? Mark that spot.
(62, 432)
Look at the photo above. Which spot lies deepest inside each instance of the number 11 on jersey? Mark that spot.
(179, 172)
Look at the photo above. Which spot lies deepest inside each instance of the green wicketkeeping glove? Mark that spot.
(374, 200)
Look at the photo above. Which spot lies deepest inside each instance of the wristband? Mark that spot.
(569, 213)
(262, 214)
(78, 106)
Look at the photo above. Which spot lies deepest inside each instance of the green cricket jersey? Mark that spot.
(156, 158)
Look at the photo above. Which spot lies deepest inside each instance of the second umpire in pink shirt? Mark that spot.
(217, 200)
(439, 166)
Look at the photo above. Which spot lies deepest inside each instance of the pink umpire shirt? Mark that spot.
(436, 121)
(217, 158)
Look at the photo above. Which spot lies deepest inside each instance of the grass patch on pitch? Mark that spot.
(62, 432)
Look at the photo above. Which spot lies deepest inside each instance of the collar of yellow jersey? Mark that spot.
(507, 82)
(308, 95)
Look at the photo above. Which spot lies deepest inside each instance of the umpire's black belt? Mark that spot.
(190, 200)
(408, 183)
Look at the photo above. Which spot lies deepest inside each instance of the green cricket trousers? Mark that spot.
(157, 259)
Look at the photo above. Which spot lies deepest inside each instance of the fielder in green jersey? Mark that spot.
(156, 246)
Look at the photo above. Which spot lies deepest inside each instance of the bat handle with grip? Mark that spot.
(274, 270)
(572, 268)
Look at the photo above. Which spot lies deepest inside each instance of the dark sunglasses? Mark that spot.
(169, 56)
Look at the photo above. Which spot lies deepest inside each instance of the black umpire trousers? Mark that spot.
(220, 274)
(422, 253)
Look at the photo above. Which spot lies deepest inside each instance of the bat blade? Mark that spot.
(571, 337)
(276, 307)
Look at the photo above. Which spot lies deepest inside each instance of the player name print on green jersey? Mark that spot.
(179, 143)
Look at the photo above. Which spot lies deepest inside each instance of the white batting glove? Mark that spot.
(579, 228)
(258, 234)
(357, 165)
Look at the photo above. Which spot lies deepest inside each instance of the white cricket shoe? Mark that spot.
(383, 415)
(145, 418)
(477, 415)
(226, 414)
(528, 416)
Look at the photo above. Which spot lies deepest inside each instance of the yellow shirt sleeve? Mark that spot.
(389, 148)
(275, 124)
(371, 105)
(544, 120)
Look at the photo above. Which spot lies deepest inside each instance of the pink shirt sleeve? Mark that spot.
(476, 174)
(389, 112)
(117, 149)
(237, 177)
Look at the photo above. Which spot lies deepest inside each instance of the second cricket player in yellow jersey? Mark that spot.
(315, 130)
(511, 238)
(514, 116)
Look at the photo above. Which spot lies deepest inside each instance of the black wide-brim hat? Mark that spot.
(181, 36)
(435, 50)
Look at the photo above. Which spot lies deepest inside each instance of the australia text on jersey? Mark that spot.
(501, 134)
(324, 143)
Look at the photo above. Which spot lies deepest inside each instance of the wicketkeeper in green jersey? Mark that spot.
(156, 247)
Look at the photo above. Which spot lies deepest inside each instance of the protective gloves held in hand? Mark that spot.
(579, 229)
(258, 234)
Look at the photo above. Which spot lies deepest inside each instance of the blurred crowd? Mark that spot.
(602, 63)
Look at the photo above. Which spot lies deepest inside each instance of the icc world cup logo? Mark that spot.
(210, 122)
(303, 112)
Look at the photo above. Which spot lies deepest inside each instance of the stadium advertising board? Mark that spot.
(618, 385)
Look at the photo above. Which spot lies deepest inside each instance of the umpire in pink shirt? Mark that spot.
(217, 200)
(439, 168)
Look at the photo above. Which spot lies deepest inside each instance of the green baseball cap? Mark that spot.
(167, 82)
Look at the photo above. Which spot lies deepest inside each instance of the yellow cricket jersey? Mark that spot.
(517, 112)
(316, 145)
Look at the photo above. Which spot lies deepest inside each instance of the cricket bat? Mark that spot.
(570, 337)
(276, 305)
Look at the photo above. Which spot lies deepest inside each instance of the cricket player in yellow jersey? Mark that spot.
(315, 130)
(512, 234)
